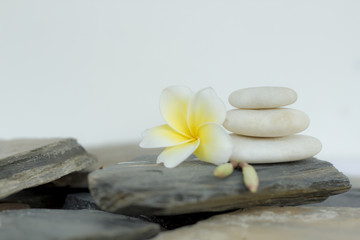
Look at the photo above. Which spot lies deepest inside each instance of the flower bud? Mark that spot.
(224, 170)
(251, 179)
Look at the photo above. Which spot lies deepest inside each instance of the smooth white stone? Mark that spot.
(272, 150)
(278, 122)
(262, 97)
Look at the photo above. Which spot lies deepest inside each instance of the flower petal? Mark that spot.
(174, 102)
(173, 156)
(162, 136)
(215, 144)
(205, 107)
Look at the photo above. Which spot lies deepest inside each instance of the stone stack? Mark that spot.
(266, 132)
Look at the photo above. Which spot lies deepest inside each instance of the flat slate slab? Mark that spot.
(295, 223)
(27, 163)
(142, 187)
(39, 224)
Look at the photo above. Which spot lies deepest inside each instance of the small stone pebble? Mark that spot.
(262, 97)
(277, 122)
(273, 150)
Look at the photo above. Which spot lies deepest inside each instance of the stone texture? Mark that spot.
(272, 150)
(44, 196)
(31, 162)
(311, 223)
(348, 199)
(277, 122)
(143, 187)
(76, 179)
(39, 224)
(262, 97)
(80, 201)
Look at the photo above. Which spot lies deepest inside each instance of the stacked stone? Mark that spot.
(266, 132)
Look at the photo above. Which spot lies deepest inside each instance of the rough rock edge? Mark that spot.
(66, 155)
(319, 191)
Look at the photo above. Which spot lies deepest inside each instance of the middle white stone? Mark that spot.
(277, 122)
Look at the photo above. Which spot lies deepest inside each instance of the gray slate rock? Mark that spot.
(80, 201)
(31, 162)
(143, 187)
(86, 201)
(349, 199)
(39, 224)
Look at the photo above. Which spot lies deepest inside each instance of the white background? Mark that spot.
(94, 70)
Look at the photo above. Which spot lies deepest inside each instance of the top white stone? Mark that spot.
(262, 97)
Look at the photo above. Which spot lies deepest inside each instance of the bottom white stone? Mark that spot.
(272, 150)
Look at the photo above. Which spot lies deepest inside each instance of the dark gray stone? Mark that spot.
(143, 187)
(75, 179)
(176, 221)
(31, 162)
(80, 201)
(348, 199)
(86, 201)
(44, 196)
(39, 224)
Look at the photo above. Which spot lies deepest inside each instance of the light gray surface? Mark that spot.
(27, 163)
(41, 224)
(143, 187)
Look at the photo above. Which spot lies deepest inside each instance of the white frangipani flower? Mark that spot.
(194, 125)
